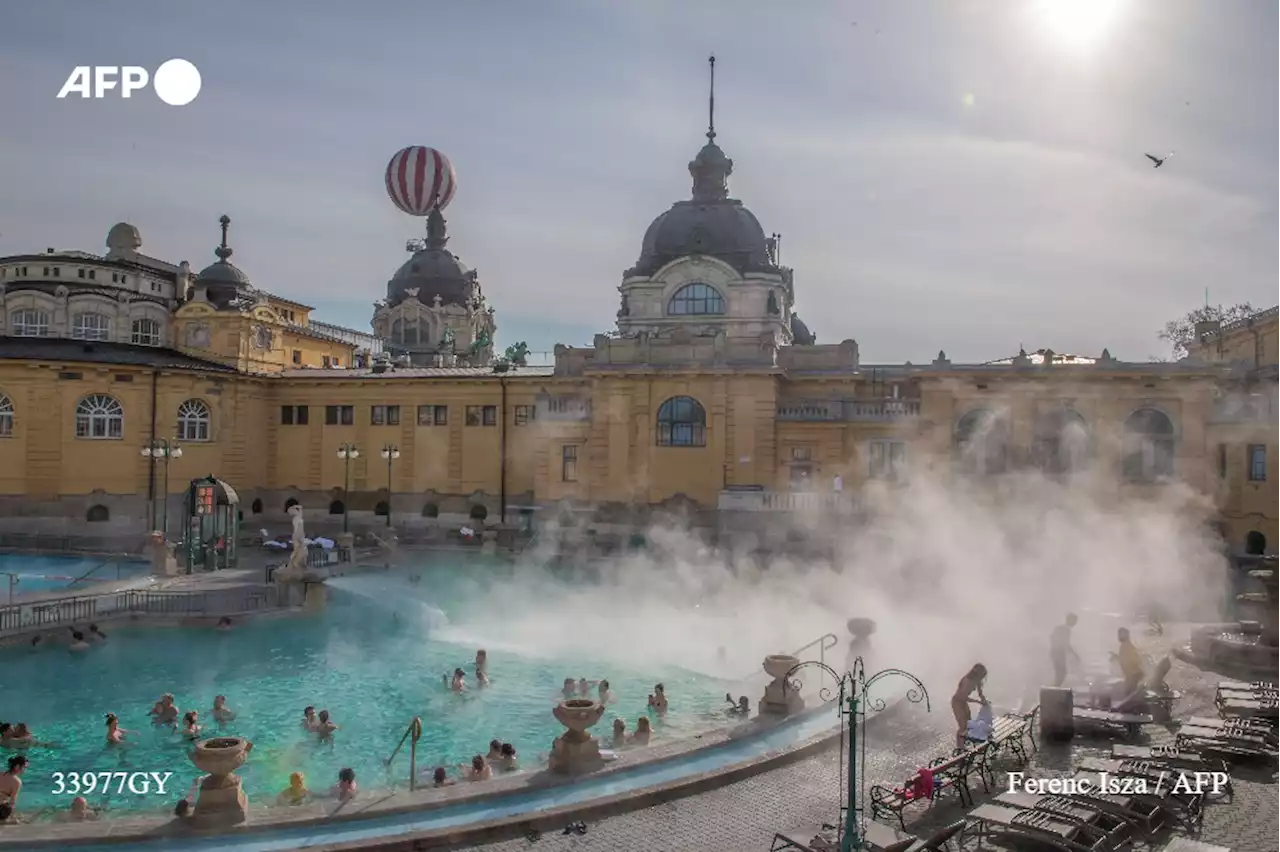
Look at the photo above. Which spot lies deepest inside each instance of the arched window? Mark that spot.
(397, 331)
(382, 508)
(682, 422)
(99, 417)
(6, 417)
(256, 506)
(91, 326)
(193, 421)
(696, 300)
(1255, 543)
(146, 332)
(1149, 440)
(1062, 442)
(430, 510)
(97, 514)
(337, 507)
(479, 512)
(982, 443)
(29, 322)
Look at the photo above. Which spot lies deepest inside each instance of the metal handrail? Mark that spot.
(413, 733)
(823, 647)
(59, 612)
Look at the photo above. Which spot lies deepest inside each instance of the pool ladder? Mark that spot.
(413, 733)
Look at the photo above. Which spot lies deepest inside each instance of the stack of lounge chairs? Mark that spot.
(1247, 700)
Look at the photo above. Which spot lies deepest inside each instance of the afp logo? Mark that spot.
(176, 82)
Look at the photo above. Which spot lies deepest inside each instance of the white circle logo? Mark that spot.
(176, 82)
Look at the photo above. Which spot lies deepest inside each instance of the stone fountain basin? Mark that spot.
(220, 755)
(776, 666)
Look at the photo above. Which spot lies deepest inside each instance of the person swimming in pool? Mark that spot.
(480, 769)
(440, 778)
(482, 660)
(605, 694)
(325, 727)
(507, 758)
(78, 643)
(346, 788)
(95, 634)
(482, 679)
(569, 689)
(166, 711)
(221, 712)
(115, 733)
(619, 733)
(658, 701)
(644, 728)
(459, 682)
(310, 723)
(191, 725)
(296, 793)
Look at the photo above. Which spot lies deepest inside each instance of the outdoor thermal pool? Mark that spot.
(373, 657)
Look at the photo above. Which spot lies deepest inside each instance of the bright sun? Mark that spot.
(1077, 23)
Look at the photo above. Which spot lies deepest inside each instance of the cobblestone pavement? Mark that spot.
(797, 799)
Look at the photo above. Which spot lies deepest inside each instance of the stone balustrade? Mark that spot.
(848, 410)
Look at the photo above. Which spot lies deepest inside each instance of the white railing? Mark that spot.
(785, 501)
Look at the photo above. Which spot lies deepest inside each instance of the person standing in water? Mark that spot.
(969, 684)
(1060, 648)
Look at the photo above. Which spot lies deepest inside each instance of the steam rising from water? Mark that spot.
(952, 574)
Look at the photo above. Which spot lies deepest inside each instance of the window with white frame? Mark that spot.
(30, 322)
(194, 418)
(99, 417)
(145, 332)
(6, 416)
(887, 460)
(91, 326)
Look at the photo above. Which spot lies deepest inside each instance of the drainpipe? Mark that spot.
(502, 453)
(151, 460)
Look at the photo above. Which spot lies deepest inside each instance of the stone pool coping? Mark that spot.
(264, 820)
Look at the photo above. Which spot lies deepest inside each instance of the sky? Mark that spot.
(958, 175)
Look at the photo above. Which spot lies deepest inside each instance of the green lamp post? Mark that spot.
(853, 701)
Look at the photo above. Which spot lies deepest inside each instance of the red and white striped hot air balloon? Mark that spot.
(420, 178)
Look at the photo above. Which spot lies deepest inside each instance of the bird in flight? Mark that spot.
(1159, 161)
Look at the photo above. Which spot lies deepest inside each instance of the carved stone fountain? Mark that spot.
(1251, 643)
(780, 699)
(575, 751)
(221, 801)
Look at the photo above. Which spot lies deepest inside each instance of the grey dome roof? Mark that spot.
(722, 229)
(711, 223)
(222, 272)
(800, 333)
(433, 272)
(123, 237)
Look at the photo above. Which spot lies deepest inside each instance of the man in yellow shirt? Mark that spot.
(1130, 664)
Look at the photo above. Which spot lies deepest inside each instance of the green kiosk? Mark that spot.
(213, 525)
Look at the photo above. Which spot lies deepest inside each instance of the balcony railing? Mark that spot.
(786, 501)
(849, 410)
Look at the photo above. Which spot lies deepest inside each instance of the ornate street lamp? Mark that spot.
(346, 451)
(854, 701)
(162, 448)
(390, 452)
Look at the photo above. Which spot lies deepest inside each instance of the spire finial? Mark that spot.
(224, 251)
(436, 234)
(711, 103)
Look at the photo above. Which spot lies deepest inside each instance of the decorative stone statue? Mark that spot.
(447, 339)
(481, 343)
(772, 306)
(298, 556)
(781, 698)
(575, 750)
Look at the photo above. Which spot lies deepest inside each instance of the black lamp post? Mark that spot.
(162, 448)
(390, 452)
(346, 451)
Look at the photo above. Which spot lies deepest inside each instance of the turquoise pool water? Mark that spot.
(374, 658)
(59, 573)
(451, 816)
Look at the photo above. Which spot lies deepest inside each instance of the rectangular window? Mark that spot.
(801, 454)
(297, 356)
(888, 460)
(81, 271)
(324, 361)
(384, 415)
(294, 415)
(1222, 461)
(1257, 462)
(525, 414)
(475, 415)
(339, 415)
(491, 415)
(286, 415)
(93, 276)
(301, 415)
(433, 415)
(569, 463)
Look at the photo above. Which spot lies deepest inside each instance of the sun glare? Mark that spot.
(1077, 23)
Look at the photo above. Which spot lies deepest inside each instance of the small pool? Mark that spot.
(61, 573)
(374, 658)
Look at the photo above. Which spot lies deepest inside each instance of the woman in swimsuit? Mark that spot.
(960, 702)
(115, 733)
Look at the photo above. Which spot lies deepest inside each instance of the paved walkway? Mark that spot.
(797, 799)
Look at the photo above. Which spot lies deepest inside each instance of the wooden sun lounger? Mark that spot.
(879, 837)
(1250, 686)
(1187, 808)
(1257, 708)
(1130, 723)
(1046, 829)
(1240, 737)
(1117, 829)
(1171, 755)
(1247, 727)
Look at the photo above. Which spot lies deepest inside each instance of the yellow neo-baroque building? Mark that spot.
(710, 393)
